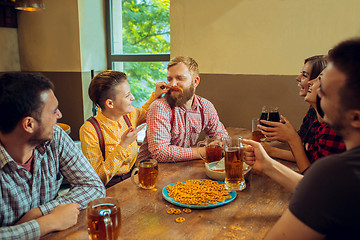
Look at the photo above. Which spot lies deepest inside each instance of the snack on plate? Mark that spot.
(197, 192)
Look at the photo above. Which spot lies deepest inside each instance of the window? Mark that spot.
(138, 40)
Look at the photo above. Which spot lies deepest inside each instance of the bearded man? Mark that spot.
(175, 122)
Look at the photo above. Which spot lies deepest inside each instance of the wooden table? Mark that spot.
(254, 211)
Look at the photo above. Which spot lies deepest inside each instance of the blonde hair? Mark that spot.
(189, 62)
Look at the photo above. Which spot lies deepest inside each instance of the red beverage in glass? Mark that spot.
(213, 153)
(257, 136)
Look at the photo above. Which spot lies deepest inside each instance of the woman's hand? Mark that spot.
(129, 136)
(160, 89)
(281, 131)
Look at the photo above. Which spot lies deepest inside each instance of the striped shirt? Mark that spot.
(117, 160)
(172, 132)
(21, 191)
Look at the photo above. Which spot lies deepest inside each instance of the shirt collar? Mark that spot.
(4, 156)
(100, 116)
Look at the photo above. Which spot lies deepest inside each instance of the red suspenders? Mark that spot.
(99, 133)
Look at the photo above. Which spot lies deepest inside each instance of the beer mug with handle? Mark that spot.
(213, 147)
(147, 174)
(104, 219)
(234, 157)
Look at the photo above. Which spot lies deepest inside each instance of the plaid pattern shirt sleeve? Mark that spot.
(172, 132)
(324, 143)
(85, 184)
(28, 230)
(306, 124)
(22, 191)
(213, 125)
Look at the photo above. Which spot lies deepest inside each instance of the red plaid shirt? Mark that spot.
(322, 141)
(307, 121)
(172, 132)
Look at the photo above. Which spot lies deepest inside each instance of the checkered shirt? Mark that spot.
(172, 132)
(21, 191)
(322, 141)
(307, 121)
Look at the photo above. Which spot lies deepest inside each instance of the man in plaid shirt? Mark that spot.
(175, 122)
(35, 157)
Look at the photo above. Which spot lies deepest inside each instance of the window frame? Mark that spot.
(111, 58)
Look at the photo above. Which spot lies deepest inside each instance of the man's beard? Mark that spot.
(182, 98)
(337, 125)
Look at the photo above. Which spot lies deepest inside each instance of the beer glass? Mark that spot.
(104, 219)
(256, 133)
(213, 147)
(234, 157)
(147, 174)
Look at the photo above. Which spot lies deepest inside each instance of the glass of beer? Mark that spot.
(234, 157)
(147, 174)
(104, 219)
(213, 147)
(256, 133)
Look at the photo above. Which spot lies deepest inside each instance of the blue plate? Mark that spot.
(172, 200)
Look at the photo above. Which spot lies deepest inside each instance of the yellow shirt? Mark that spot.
(117, 160)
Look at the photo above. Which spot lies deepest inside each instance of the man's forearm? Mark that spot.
(46, 225)
(297, 148)
(196, 152)
(30, 215)
(282, 154)
(171, 153)
(283, 175)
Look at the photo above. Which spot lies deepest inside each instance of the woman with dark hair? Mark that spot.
(115, 125)
(315, 138)
(313, 66)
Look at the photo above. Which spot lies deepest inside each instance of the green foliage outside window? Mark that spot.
(146, 30)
